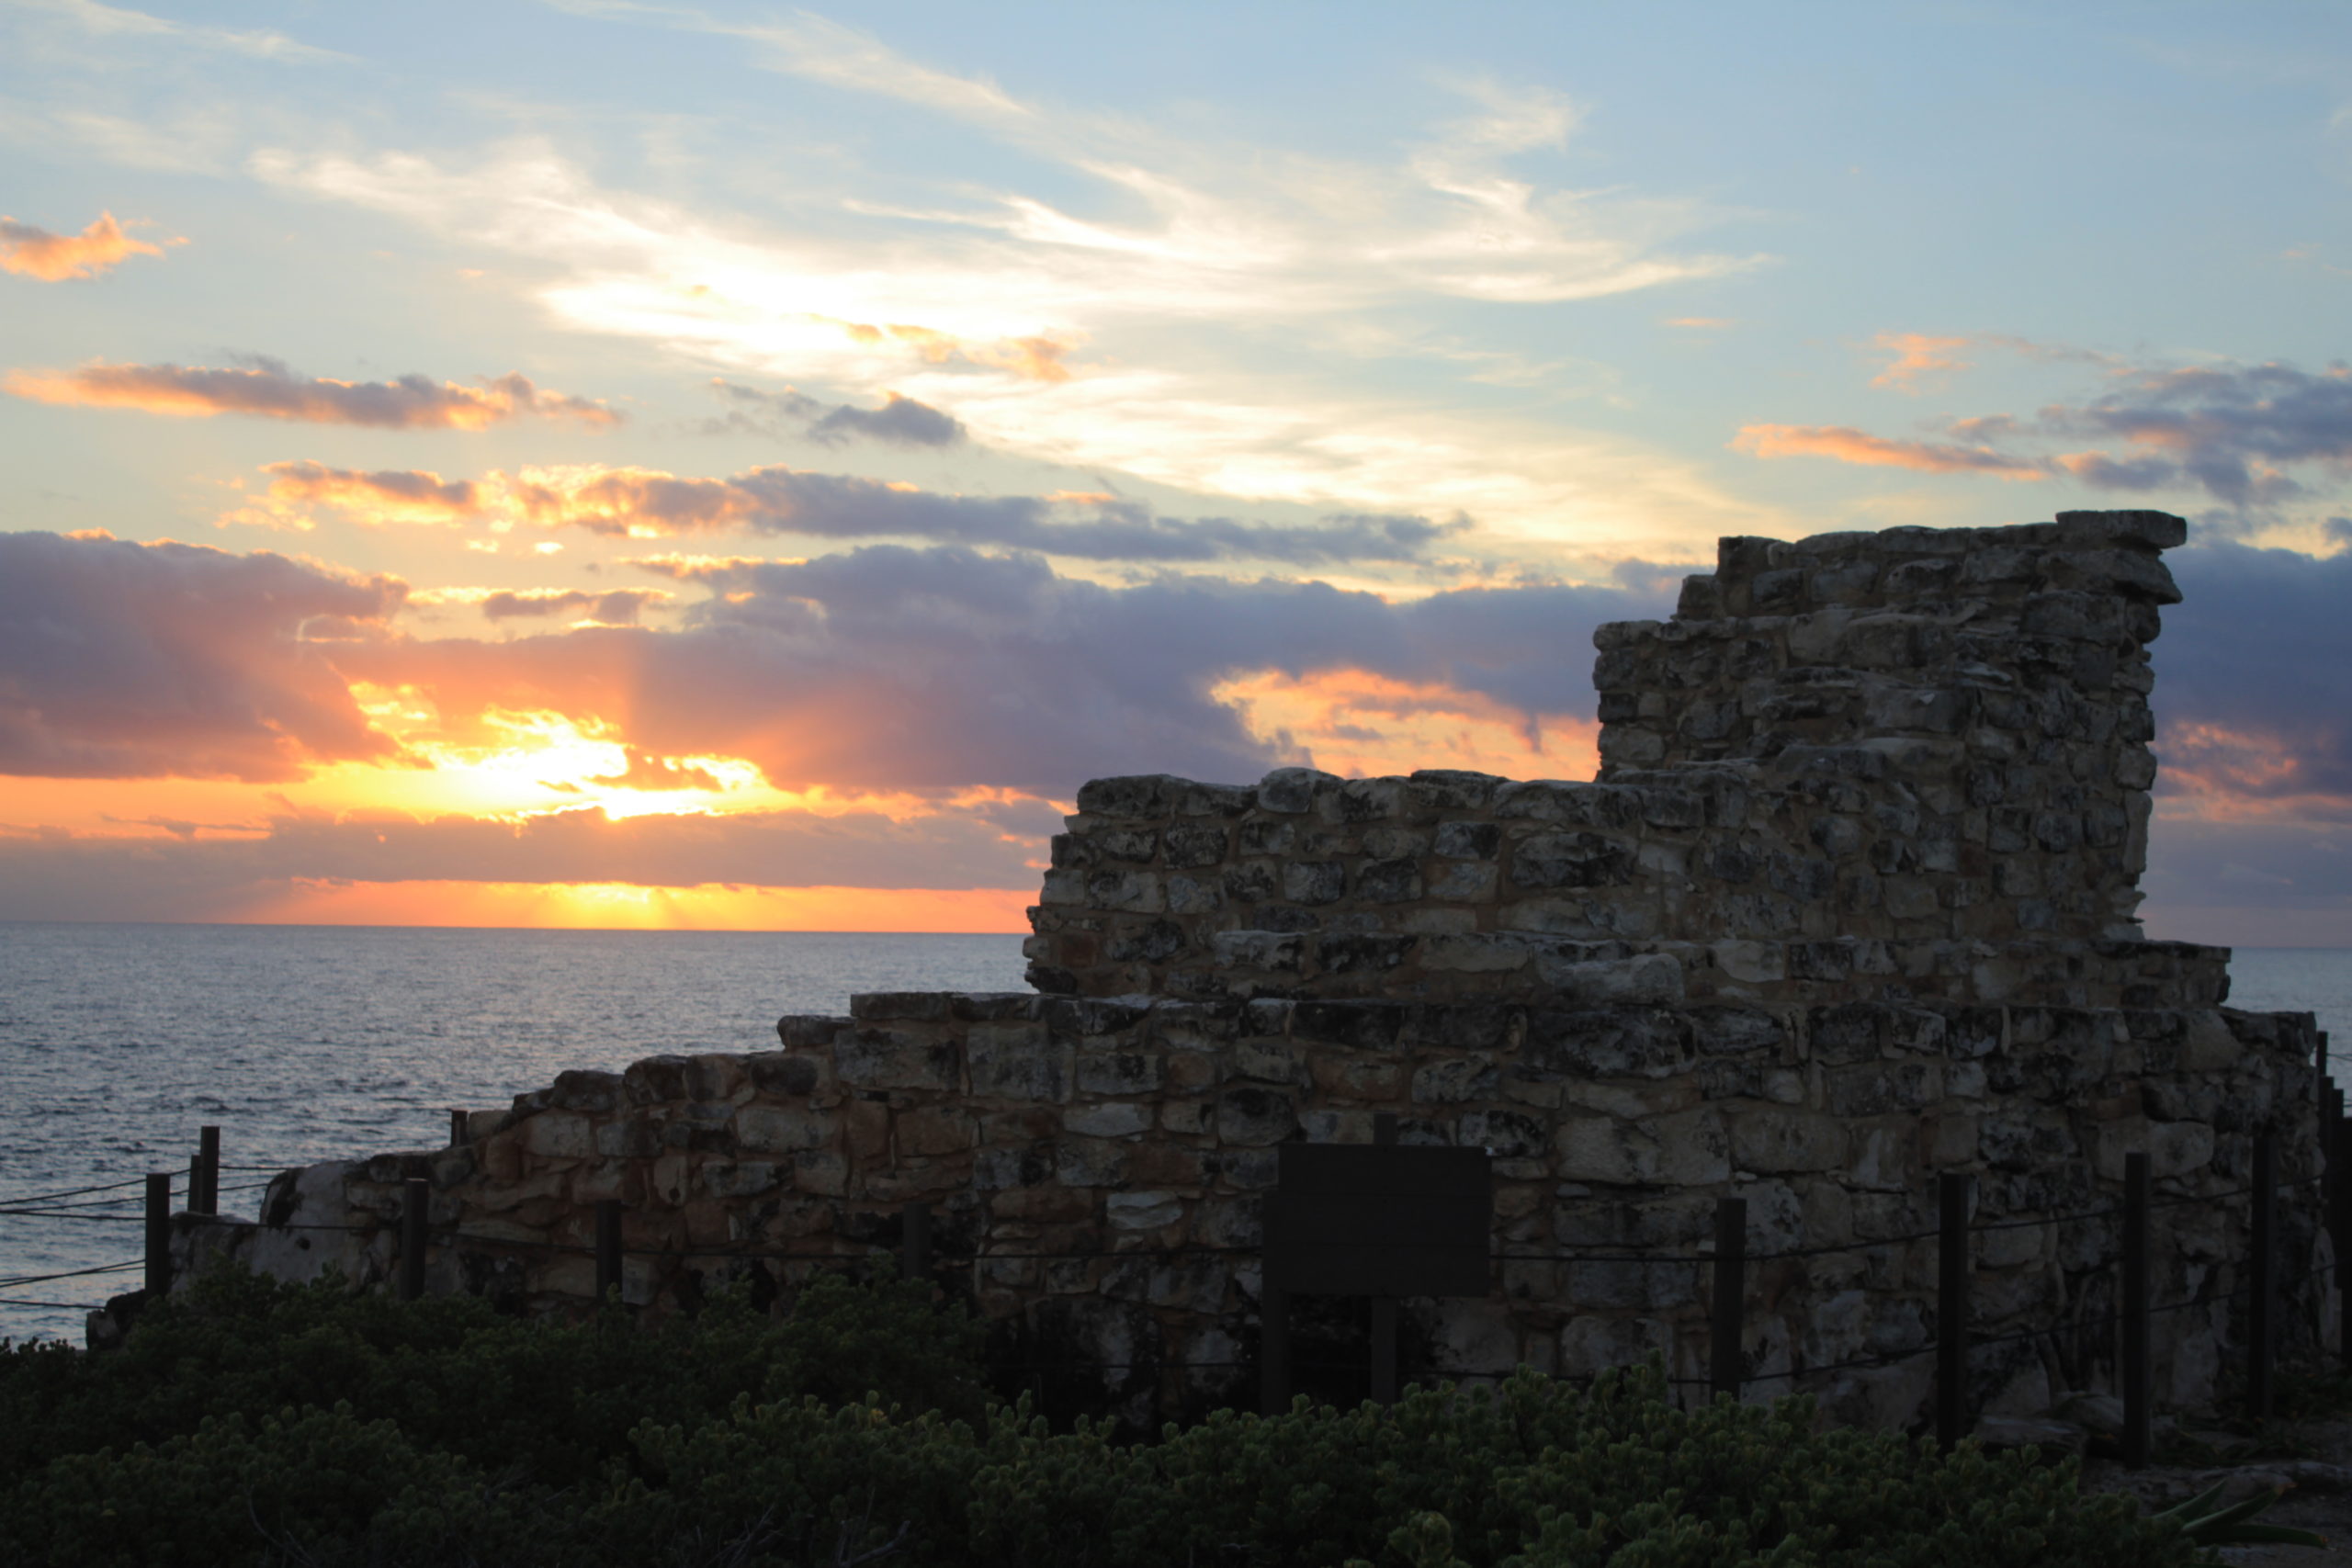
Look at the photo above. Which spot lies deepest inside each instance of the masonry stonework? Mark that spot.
(1850, 904)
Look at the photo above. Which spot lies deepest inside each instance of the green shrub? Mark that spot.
(265, 1423)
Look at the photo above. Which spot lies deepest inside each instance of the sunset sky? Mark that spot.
(735, 467)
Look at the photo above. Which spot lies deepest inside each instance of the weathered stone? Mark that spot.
(1774, 1141)
(1114, 1119)
(1249, 1114)
(777, 1129)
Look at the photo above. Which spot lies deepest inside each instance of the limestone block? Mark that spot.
(1389, 881)
(1019, 1061)
(1475, 954)
(781, 1129)
(1771, 1141)
(1119, 1072)
(932, 1131)
(1195, 845)
(2174, 1148)
(1593, 1344)
(1872, 1090)
(1268, 1059)
(1314, 882)
(1290, 791)
(1626, 1042)
(559, 1135)
(1455, 1079)
(1251, 1114)
(1470, 1337)
(887, 1058)
(1090, 1162)
(1194, 896)
(1112, 1119)
(1553, 860)
(821, 1171)
(1652, 977)
(1689, 1149)
(1143, 1211)
(740, 1178)
(1469, 882)
(1136, 892)
(1757, 963)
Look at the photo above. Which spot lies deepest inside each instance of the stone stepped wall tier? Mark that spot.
(1131, 1129)
(1910, 764)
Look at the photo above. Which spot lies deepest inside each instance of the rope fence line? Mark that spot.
(14, 1280)
(2258, 1280)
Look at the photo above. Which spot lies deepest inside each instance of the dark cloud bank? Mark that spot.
(124, 660)
(934, 671)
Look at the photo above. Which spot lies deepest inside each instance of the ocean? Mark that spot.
(308, 1042)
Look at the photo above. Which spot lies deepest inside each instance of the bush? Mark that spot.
(257, 1423)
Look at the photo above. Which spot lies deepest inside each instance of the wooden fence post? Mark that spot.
(2262, 1310)
(2339, 1213)
(915, 1242)
(2134, 1367)
(1273, 1348)
(608, 1248)
(456, 1128)
(159, 1231)
(1725, 1312)
(1383, 1308)
(1952, 1192)
(204, 1189)
(414, 1194)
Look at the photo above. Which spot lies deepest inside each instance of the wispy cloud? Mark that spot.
(1200, 315)
(35, 252)
(1916, 354)
(2237, 432)
(116, 23)
(269, 389)
(900, 422)
(646, 503)
(1848, 445)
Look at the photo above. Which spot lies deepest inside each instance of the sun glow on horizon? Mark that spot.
(712, 907)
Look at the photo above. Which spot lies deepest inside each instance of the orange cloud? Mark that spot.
(1034, 358)
(647, 772)
(1916, 354)
(613, 607)
(385, 495)
(1360, 724)
(1848, 445)
(53, 258)
(270, 390)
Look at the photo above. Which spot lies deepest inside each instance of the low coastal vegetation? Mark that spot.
(250, 1422)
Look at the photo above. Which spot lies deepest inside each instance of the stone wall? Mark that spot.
(1123, 1133)
(1848, 907)
(1912, 764)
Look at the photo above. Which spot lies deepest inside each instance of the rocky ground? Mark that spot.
(2307, 1461)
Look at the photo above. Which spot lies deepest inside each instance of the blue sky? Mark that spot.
(881, 341)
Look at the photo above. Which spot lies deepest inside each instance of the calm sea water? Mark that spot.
(307, 1042)
(117, 1042)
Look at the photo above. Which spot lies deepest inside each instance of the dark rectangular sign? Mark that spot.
(1379, 1220)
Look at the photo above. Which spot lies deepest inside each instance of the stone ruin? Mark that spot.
(1850, 904)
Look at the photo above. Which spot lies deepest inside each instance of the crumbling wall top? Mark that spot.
(1912, 761)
